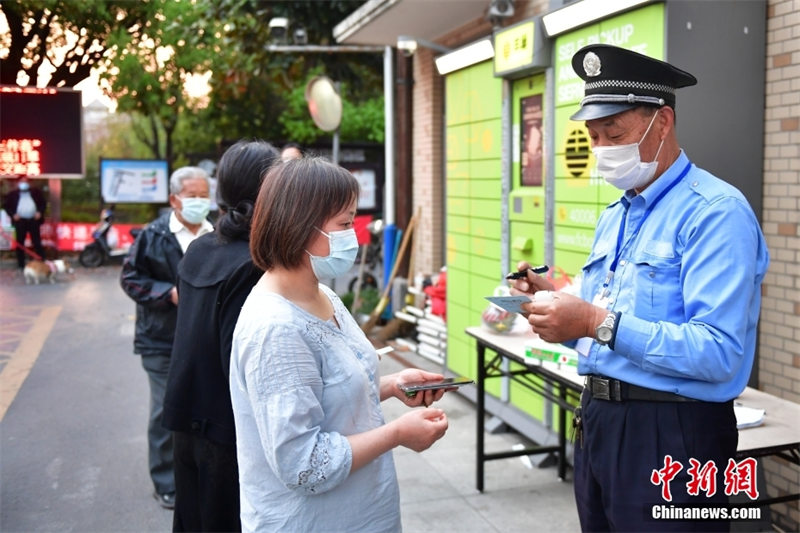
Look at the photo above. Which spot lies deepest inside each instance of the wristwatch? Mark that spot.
(606, 330)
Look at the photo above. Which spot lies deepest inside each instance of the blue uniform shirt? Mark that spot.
(688, 286)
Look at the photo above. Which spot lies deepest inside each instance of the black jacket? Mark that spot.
(149, 272)
(214, 281)
(12, 199)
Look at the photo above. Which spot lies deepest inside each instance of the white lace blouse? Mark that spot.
(299, 385)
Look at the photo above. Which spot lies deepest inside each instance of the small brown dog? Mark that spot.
(37, 271)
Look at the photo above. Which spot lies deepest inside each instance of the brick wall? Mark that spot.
(427, 163)
(779, 345)
(779, 371)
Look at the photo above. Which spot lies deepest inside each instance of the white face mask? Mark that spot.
(195, 210)
(343, 250)
(622, 166)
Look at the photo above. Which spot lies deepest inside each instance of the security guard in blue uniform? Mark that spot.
(665, 323)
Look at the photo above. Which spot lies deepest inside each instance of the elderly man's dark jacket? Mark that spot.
(149, 272)
(215, 279)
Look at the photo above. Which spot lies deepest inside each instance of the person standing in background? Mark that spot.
(291, 151)
(215, 277)
(25, 205)
(149, 277)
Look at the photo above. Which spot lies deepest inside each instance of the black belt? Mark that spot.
(614, 390)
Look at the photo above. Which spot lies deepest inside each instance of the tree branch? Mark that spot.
(83, 63)
(12, 64)
(41, 31)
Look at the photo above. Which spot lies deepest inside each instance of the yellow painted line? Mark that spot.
(21, 361)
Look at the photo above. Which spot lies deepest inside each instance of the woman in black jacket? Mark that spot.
(215, 277)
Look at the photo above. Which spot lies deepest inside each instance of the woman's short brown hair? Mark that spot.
(296, 197)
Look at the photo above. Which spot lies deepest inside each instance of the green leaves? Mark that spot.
(70, 36)
(147, 49)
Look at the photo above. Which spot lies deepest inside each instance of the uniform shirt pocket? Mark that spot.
(594, 269)
(657, 281)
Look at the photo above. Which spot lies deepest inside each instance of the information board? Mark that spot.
(143, 181)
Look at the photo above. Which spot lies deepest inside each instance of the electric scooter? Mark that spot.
(100, 251)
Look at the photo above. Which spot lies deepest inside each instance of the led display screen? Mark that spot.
(41, 132)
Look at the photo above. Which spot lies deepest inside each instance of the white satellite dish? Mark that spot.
(324, 103)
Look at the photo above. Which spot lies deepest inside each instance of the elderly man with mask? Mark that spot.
(665, 324)
(149, 276)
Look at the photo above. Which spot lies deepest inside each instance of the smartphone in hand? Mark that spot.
(448, 383)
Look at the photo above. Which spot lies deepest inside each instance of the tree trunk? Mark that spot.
(10, 66)
(168, 131)
(155, 138)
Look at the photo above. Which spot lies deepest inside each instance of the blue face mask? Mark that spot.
(344, 247)
(195, 210)
(24, 186)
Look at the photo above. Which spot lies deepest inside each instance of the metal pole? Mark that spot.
(338, 87)
(388, 111)
(335, 156)
(390, 230)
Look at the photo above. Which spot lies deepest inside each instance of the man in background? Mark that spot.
(25, 205)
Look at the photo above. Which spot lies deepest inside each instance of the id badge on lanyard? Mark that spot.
(601, 299)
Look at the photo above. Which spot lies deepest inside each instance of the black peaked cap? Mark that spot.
(617, 79)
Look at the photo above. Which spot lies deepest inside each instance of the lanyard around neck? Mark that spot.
(621, 233)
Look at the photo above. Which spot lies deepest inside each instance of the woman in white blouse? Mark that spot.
(313, 446)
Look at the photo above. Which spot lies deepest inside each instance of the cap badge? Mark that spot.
(591, 64)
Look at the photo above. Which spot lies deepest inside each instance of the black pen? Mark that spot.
(523, 273)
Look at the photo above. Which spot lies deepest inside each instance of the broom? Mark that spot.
(397, 326)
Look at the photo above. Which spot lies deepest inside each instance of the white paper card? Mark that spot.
(748, 417)
(512, 304)
(583, 346)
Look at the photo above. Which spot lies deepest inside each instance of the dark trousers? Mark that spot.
(206, 483)
(624, 442)
(159, 439)
(25, 227)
